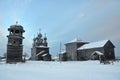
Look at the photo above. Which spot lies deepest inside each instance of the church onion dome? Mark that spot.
(34, 39)
(45, 38)
(39, 35)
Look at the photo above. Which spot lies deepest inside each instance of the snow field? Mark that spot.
(71, 70)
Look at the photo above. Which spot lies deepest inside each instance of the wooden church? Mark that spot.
(80, 50)
(40, 49)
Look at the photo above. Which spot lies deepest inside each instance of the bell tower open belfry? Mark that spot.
(14, 45)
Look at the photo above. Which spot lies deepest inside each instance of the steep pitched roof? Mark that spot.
(94, 45)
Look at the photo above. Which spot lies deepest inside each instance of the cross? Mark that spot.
(45, 34)
(34, 35)
(16, 22)
(39, 30)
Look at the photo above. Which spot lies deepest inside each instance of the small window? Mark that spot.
(14, 42)
(21, 32)
(11, 32)
(16, 31)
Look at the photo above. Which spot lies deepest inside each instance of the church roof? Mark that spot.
(45, 54)
(94, 45)
(42, 46)
(17, 27)
(40, 53)
(76, 40)
(97, 52)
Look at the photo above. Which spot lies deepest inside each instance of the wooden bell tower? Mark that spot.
(14, 45)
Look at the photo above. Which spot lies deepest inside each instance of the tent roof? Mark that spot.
(76, 40)
(94, 45)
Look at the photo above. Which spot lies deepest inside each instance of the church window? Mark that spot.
(11, 31)
(16, 31)
(14, 42)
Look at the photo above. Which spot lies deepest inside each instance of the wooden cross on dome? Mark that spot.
(39, 30)
(16, 22)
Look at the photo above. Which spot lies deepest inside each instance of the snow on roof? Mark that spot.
(40, 53)
(62, 52)
(41, 46)
(56, 57)
(94, 45)
(44, 54)
(97, 52)
(76, 40)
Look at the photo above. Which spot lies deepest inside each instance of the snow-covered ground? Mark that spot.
(76, 70)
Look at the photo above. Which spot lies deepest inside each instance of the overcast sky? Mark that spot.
(62, 21)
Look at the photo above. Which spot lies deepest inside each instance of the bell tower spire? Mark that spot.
(16, 22)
